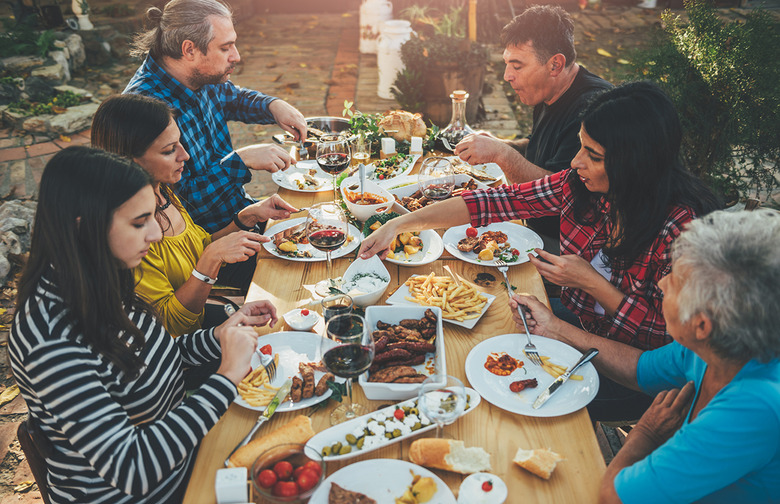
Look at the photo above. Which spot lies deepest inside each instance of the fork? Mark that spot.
(267, 361)
(530, 348)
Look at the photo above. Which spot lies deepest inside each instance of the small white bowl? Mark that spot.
(370, 265)
(363, 212)
(471, 490)
(300, 322)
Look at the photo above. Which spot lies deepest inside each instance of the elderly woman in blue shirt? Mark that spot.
(712, 433)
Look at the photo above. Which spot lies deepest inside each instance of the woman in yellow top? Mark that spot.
(177, 274)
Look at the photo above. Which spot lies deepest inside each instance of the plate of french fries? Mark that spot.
(461, 302)
(573, 395)
(289, 349)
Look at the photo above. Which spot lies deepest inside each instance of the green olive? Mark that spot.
(389, 435)
(351, 439)
(335, 448)
(396, 433)
(417, 426)
(414, 411)
(325, 451)
(345, 449)
(360, 443)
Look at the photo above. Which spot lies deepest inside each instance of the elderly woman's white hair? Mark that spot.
(729, 264)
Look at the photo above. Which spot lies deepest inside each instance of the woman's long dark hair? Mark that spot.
(127, 125)
(80, 190)
(638, 127)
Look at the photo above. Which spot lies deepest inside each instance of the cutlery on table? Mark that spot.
(554, 386)
(266, 360)
(265, 415)
(530, 348)
(452, 275)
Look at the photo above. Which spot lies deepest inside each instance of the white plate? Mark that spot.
(406, 167)
(316, 254)
(519, 237)
(407, 185)
(399, 298)
(489, 169)
(383, 480)
(293, 348)
(338, 433)
(433, 248)
(573, 395)
(288, 177)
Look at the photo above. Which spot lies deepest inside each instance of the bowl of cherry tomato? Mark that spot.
(288, 473)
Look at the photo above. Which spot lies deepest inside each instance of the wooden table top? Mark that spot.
(501, 433)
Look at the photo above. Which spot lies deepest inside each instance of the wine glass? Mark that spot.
(333, 156)
(436, 178)
(337, 304)
(361, 151)
(347, 351)
(441, 402)
(326, 230)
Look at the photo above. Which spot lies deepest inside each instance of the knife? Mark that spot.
(545, 395)
(265, 415)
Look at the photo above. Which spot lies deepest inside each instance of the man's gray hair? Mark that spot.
(729, 264)
(179, 21)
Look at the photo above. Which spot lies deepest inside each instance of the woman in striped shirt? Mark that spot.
(101, 377)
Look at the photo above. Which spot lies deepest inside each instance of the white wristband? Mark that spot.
(203, 278)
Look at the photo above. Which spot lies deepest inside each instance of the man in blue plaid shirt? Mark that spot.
(190, 53)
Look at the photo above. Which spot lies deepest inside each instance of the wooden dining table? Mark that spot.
(288, 284)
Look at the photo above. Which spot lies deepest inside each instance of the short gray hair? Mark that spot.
(179, 21)
(729, 263)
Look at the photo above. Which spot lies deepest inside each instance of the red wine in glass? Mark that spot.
(327, 240)
(348, 361)
(334, 163)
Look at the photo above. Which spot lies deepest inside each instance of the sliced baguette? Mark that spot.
(540, 462)
(450, 455)
(298, 430)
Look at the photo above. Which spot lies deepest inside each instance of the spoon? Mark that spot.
(362, 176)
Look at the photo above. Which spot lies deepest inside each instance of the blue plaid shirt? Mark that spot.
(213, 180)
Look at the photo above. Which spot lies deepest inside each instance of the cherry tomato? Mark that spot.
(307, 480)
(283, 470)
(313, 466)
(304, 312)
(487, 486)
(285, 489)
(266, 350)
(381, 176)
(297, 472)
(515, 252)
(472, 232)
(398, 414)
(266, 478)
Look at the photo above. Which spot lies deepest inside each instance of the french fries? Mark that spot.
(457, 302)
(554, 370)
(256, 389)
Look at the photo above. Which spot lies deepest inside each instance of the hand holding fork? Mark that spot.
(530, 348)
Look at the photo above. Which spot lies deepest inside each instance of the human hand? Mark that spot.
(539, 318)
(273, 207)
(237, 344)
(481, 148)
(268, 157)
(567, 270)
(378, 242)
(289, 119)
(235, 247)
(255, 313)
(665, 415)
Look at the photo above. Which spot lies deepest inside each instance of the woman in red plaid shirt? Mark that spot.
(621, 205)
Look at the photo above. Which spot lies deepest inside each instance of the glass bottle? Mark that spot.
(458, 127)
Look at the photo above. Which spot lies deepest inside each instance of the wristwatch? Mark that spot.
(240, 224)
(203, 278)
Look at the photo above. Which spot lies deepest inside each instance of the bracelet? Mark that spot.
(240, 224)
(203, 278)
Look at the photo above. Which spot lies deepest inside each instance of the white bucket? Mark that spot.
(372, 14)
(388, 61)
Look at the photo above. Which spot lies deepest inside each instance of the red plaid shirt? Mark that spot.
(639, 319)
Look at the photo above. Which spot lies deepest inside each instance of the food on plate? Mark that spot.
(408, 243)
(339, 495)
(457, 302)
(450, 455)
(502, 364)
(521, 385)
(307, 374)
(375, 222)
(488, 246)
(419, 491)
(308, 180)
(391, 166)
(256, 388)
(363, 283)
(403, 125)
(289, 245)
(296, 390)
(322, 385)
(400, 346)
(555, 370)
(296, 431)
(365, 198)
(460, 166)
(540, 462)
(286, 479)
(417, 200)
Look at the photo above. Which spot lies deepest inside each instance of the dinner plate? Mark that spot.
(407, 185)
(293, 347)
(383, 480)
(489, 169)
(519, 237)
(573, 395)
(399, 298)
(432, 249)
(407, 165)
(288, 178)
(338, 433)
(345, 249)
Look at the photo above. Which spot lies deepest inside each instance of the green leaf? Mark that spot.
(339, 390)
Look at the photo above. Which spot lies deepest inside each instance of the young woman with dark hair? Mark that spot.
(101, 377)
(621, 206)
(177, 274)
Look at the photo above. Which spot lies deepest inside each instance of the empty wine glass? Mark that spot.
(333, 156)
(347, 351)
(326, 230)
(441, 402)
(436, 178)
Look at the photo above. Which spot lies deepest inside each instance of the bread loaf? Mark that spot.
(403, 125)
(450, 455)
(298, 430)
(540, 462)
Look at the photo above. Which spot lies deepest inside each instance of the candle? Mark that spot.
(388, 147)
(416, 147)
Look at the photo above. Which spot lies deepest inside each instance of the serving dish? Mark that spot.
(293, 178)
(362, 267)
(300, 322)
(316, 255)
(363, 212)
(519, 237)
(406, 166)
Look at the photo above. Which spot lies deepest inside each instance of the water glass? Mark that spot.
(441, 402)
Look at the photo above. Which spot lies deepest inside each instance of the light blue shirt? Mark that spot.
(729, 454)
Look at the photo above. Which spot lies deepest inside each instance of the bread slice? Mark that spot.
(298, 430)
(540, 462)
(450, 455)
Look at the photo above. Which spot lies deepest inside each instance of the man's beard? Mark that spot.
(200, 79)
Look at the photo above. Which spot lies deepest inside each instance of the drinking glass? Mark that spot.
(436, 178)
(326, 230)
(361, 150)
(347, 351)
(441, 402)
(333, 156)
(337, 304)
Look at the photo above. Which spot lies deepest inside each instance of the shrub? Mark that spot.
(55, 105)
(22, 39)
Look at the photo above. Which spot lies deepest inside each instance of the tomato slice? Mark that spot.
(266, 350)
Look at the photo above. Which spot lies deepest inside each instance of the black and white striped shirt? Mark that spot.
(116, 442)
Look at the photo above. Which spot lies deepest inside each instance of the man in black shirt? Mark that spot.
(540, 66)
